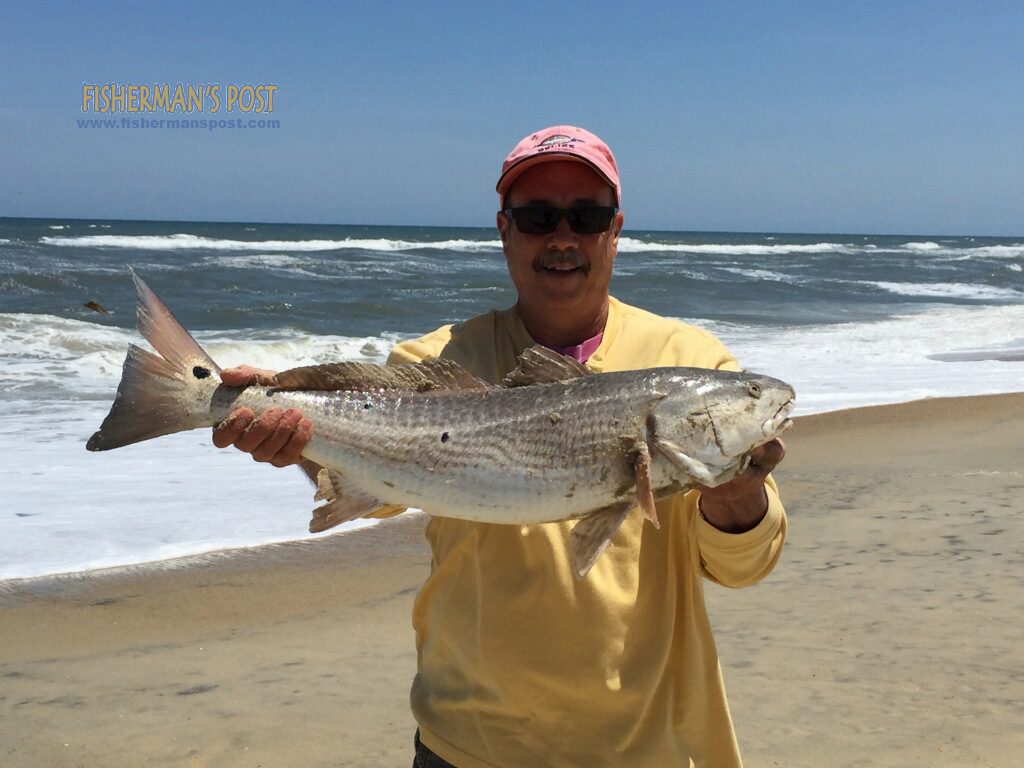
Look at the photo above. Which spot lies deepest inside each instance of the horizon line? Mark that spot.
(466, 226)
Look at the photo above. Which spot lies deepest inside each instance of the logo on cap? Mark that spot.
(556, 141)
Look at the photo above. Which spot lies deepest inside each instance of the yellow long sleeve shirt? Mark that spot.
(522, 664)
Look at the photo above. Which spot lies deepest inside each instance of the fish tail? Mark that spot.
(163, 393)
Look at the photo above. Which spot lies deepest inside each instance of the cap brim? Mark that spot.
(519, 168)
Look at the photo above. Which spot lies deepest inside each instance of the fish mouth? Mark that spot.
(780, 422)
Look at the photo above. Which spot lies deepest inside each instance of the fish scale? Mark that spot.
(503, 451)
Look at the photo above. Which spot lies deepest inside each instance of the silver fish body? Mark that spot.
(561, 444)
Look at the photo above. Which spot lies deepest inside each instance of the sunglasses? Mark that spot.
(543, 219)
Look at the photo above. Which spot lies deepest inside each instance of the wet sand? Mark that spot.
(889, 635)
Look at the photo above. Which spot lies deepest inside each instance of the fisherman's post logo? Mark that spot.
(177, 100)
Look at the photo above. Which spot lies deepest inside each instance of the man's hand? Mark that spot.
(741, 503)
(277, 437)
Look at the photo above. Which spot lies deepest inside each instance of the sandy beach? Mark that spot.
(889, 635)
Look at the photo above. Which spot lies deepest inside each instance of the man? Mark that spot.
(520, 663)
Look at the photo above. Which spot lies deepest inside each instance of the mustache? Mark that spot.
(563, 259)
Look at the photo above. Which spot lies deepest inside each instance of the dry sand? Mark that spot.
(889, 635)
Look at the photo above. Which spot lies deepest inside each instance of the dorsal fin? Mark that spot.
(365, 377)
(540, 365)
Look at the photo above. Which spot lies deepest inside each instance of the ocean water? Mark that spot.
(849, 320)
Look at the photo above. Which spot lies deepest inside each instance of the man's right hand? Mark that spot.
(277, 437)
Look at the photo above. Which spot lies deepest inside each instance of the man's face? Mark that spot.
(563, 271)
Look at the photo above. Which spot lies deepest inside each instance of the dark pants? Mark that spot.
(425, 758)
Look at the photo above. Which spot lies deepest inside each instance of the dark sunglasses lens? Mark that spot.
(543, 219)
(591, 219)
(536, 219)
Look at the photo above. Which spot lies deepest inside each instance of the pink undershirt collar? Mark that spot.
(579, 352)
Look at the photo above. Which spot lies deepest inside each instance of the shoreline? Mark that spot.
(884, 637)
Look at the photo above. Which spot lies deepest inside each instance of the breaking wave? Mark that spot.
(985, 251)
(759, 274)
(633, 245)
(948, 290)
(56, 357)
(195, 242)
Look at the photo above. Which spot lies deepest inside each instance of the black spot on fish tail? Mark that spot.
(200, 372)
(444, 437)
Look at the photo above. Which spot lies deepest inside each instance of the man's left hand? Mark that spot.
(741, 503)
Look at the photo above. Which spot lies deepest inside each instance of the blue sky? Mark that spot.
(877, 117)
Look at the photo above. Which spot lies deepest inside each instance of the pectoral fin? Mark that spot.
(344, 502)
(644, 495)
(590, 536)
(693, 467)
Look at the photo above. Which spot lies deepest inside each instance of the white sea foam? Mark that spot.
(4, 241)
(1015, 250)
(634, 245)
(195, 242)
(59, 358)
(1007, 352)
(260, 260)
(296, 265)
(999, 251)
(760, 274)
(851, 364)
(67, 510)
(184, 241)
(948, 290)
(58, 226)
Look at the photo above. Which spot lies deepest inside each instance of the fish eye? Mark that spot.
(754, 389)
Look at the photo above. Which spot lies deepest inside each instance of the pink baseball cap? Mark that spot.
(560, 142)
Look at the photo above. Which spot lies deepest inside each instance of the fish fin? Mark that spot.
(364, 377)
(591, 535)
(161, 329)
(644, 494)
(310, 470)
(540, 365)
(446, 374)
(691, 466)
(344, 501)
(152, 397)
(147, 403)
